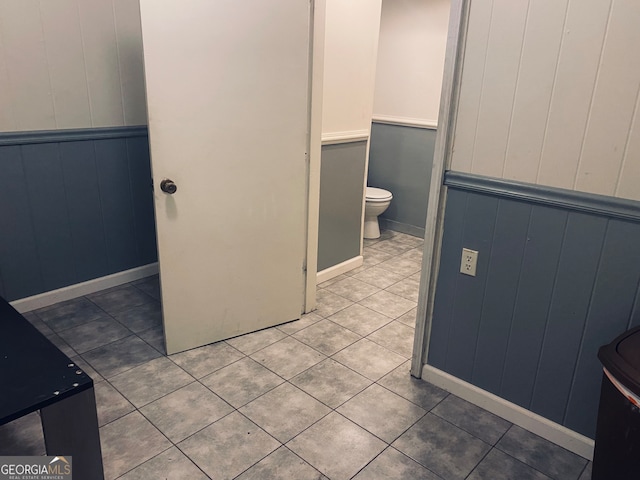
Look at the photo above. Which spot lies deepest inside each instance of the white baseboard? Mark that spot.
(339, 269)
(554, 432)
(79, 289)
(401, 227)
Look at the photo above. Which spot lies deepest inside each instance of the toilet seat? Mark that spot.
(378, 195)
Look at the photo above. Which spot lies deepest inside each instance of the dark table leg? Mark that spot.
(71, 428)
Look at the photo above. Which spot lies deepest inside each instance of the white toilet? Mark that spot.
(377, 201)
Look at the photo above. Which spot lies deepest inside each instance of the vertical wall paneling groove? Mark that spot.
(473, 71)
(48, 69)
(588, 100)
(115, 199)
(85, 214)
(576, 72)
(510, 238)
(130, 61)
(27, 65)
(7, 118)
(627, 186)
(118, 57)
(538, 271)
(538, 62)
(504, 47)
(554, 283)
(132, 193)
(568, 310)
(48, 205)
(567, 116)
(611, 306)
(612, 106)
(20, 264)
(85, 53)
(478, 235)
(101, 60)
(65, 61)
(143, 213)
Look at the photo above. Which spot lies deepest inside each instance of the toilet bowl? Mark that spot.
(376, 202)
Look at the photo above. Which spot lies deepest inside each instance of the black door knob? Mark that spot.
(167, 186)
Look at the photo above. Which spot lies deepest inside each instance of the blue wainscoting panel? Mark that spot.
(49, 217)
(77, 205)
(20, 264)
(477, 235)
(503, 274)
(454, 222)
(341, 202)
(143, 214)
(400, 160)
(553, 284)
(114, 184)
(535, 286)
(85, 212)
(610, 308)
(577, 272)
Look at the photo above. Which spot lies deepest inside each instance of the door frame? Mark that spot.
(434, 225)
(316, 88)
(547, 429)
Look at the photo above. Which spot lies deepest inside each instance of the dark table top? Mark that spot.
(34, 373)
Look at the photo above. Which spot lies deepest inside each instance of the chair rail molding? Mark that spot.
(405, 121)
(334, 138)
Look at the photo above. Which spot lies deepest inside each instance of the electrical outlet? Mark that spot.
(469, 262)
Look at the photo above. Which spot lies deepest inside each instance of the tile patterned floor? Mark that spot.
(327, 396)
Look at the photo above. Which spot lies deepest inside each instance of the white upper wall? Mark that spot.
(70, 64)
(351, 45)
(413, 37)
(550, 94)
(78, 64)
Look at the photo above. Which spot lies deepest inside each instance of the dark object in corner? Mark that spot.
(36, 375)
(617, 450)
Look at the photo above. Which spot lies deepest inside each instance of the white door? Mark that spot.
(228, 100)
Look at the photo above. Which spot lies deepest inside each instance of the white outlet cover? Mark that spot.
(469, 262)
